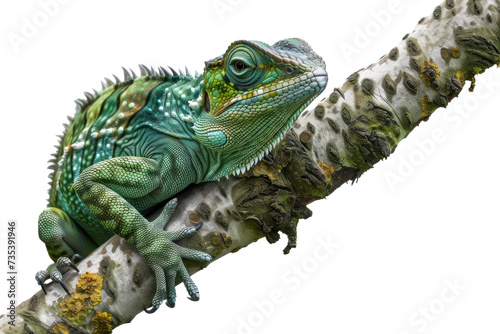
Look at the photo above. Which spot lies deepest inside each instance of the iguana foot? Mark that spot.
(55, 272)
(164, 257)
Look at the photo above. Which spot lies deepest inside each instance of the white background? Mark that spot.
(398, 246)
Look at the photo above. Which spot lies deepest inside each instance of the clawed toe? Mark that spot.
(151, 310)
(41, 276)
(194, 297)
(55, 271)
(60, 281)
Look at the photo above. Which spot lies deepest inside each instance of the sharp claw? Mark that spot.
(64, 286)
(151, 310)
(198, 226)
(40, 282)
(72, 265)
(170, 304)
(76, 258)
(194, 299)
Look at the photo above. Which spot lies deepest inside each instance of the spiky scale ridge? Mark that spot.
(126, 74)
(173, 71)
(81, 104)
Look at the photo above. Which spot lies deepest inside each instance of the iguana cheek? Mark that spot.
(217, 138)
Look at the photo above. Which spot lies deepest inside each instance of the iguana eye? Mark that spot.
(288, 70)
(239, 65)
(244, 67)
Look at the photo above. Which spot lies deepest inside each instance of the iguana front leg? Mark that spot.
(103, 188)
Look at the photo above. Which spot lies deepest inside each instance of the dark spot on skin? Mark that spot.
(305, 137)
(333, 154)
(333, 125)
(393, 54)
(389, 86)
(407, 117)
(445, 54)
(311, 128)
(346, 115)
(413, 48)
(414, 64)
(334, 97)
(203, 210)
(319, 111)
(221, 219)
(367, 85)
(410, 83)
(194, 218)
(437, 12)
(353, 78)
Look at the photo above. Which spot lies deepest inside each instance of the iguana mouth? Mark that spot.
(319, 74)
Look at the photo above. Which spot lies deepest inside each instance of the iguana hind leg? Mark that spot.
(65, 242)
(104, 188)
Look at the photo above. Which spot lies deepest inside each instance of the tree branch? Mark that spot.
(342, 137)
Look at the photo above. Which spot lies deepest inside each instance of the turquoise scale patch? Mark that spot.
(217, 138)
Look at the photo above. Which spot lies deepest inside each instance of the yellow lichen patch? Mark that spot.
(76, 309)
(60, 328)
(91, 285)
(455, 53)
(460, 76)
(427, 107)
(327, 169)
(81, 303)
(429, 72)
(102, 323)
(472, 84)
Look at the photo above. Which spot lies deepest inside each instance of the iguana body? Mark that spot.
(142, 141)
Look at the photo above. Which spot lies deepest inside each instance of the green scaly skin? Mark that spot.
(141, 141)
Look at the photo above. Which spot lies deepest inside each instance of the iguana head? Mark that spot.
(251, 96)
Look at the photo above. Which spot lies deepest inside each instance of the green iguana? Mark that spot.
(141, 141)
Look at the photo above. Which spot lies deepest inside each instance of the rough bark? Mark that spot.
(335, 142)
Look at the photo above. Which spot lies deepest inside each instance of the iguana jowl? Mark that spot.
(141, 141)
